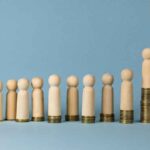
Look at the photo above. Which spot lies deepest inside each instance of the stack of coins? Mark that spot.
(145, 106)
(126, 116)
(107, 117)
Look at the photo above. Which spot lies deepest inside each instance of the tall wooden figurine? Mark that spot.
(22, 114)
(11, 100)
(88, 100)
(126, 104)
(145, 97)
(54, 100)
(72, 99)
(107, 114)
(37, 99)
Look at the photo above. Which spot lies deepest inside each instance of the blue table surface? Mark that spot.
(74, 136)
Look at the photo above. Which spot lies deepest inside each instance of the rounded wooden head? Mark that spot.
(127, 74)
(54, 80)
(23, 84)
(72, 81)
(11, 85)
(146, 53)
(1, 86)
(37, 82)
(107, 79)
(89, 80)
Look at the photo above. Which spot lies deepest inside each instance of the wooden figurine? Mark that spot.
(11, 100)
(126, 105)
(146, 69)
(145, 97)
(37, 99)
(22, 114)
(54, 100)
(88, 100)
(107, 114)
(72, 99)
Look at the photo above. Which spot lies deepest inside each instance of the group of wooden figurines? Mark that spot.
(17, 107)
(17, 104)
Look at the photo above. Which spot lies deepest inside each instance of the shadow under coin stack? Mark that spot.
(145, 98)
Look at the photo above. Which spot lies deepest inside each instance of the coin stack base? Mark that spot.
(10, 119)
(22, 120)
(88, 119)
(126, 116)
(37, 119)
(54, 119)
(72, 118)
(145, 106)
(107, 117)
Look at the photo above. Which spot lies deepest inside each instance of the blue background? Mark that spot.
(39, 38)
